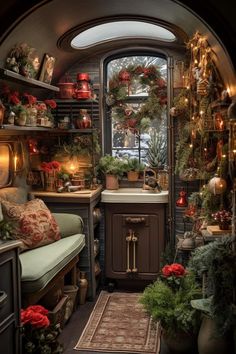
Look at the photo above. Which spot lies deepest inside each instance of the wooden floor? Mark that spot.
(73, 329)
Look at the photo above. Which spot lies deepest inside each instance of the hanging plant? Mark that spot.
(152, 107)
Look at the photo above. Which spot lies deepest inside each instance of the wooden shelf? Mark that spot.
(74, 101)
(8, 128)
(12, 76)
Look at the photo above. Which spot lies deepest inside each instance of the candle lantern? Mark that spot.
(83, 89)
(219, 121)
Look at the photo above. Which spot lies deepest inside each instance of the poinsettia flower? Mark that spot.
(51, 103)
(30, 98)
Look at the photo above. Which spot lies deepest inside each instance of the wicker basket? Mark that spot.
(57, 315)
(71, 291)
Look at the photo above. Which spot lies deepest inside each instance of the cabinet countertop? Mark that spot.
(83, 196)
(8, 245)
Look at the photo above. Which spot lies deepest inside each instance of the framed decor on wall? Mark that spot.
(47, 68)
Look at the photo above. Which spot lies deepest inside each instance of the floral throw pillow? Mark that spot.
(32, 223)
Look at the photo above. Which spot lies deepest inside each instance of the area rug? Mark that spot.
(119, 324)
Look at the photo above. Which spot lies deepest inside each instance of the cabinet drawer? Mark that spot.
(8, 285)
(8, 339)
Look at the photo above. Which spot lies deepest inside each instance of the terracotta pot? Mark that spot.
(132, 176)
(112, 182)
(66, 90)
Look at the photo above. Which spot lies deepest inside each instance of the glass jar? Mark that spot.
(32, 113)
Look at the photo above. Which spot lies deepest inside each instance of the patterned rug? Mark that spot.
(119, 324)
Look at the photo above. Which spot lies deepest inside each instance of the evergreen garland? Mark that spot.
(150, 108)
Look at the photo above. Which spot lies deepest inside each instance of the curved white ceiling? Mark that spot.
(120, 29)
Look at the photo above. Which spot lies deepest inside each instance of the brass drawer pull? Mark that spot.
(133, 220)
(128, 240)
(134, 240)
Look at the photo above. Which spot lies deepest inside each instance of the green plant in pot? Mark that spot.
(133, 168)
(157, 150)
(113, 168)
(215, 265)
(167, 300)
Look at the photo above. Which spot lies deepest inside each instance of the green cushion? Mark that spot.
(40, 265)
(69, 224)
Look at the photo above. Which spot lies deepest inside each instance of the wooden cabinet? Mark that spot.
(82, 204)
(134, 240)
(9, 298)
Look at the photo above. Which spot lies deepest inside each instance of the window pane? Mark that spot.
(137, 96)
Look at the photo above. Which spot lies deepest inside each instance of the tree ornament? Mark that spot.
(217, 185)
(182, 200)
(124, 76)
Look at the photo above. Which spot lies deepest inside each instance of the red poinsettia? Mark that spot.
(38, 334)
(31, 100)
(36, 316)
(50, 103)
(173, 274)
(14, 98)
(174, 269)
(50, 166)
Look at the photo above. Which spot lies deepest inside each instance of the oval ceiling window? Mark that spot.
(120, 29)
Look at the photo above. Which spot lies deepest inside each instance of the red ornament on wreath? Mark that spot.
(132, 122)
(124, 76)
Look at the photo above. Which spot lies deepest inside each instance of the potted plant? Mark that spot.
(157, 151)
(223, 218)
(113, 168)
(215, 264)
(167, 300)
(133, 168)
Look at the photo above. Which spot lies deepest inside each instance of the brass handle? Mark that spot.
(128, 240)
(132, 220)
(134, 240)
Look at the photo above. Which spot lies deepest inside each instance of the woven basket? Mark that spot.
(57, 315)
(71, 291)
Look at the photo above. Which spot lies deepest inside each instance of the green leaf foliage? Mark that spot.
(173, 308)
(218, 261)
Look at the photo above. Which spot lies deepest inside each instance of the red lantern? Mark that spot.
(182, 200)
(83, 90)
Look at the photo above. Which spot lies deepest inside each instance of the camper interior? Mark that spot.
(117, 177)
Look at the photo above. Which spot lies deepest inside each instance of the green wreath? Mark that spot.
(151, 108)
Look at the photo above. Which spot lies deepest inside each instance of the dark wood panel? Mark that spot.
(147, 223)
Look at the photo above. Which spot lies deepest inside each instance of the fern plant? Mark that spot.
(173, 308)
